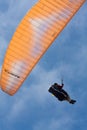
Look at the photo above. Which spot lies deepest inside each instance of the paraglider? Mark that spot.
(34, 35)
(58, 91)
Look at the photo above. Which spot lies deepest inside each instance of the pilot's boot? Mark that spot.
(72, 101)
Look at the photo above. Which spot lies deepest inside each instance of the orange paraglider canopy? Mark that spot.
(36, 32)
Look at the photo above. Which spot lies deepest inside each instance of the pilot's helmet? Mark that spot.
(55, 84)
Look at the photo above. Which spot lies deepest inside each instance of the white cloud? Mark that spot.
(10, 19)
(13, 108)
(65, 122)
(37, 93)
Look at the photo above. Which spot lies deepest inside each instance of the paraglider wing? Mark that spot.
(36, 32)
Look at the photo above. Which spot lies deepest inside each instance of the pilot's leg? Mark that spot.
(70, 100)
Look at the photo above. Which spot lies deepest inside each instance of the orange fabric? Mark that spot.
(36, 32)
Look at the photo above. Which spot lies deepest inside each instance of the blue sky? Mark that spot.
(33, 108)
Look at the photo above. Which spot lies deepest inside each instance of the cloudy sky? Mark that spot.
(33, 108)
